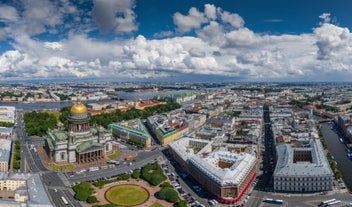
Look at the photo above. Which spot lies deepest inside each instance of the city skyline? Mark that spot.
(180, 41)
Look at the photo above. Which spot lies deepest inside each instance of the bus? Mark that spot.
(274, 201)
(328, 201)
(323, 203)
(64, 200)
(333, 203)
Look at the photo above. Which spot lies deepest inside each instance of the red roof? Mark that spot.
(182, 128)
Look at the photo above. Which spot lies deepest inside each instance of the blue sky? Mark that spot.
(126, 40)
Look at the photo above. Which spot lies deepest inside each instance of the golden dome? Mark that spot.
(79, 108)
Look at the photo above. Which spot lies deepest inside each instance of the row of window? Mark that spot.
(302, 179)
(302, 189)
(303, 184)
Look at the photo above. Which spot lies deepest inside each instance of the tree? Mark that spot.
(16, 165)
(117, 116)
(182, 203)
(166, 184)
(39, 123)
(105, 205)
(168, 194)
(82, 195)
(124, 177)
(6, 124)
(156, 179)
(65, 112)
(83, 191)
(92, 199)
(17, 155)
(136, 174)
(153, 174)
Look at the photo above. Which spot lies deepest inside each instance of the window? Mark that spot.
(62, 155)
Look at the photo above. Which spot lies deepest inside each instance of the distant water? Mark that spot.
(147, 95)
(37, 105)
(120, 94)
(44, 105)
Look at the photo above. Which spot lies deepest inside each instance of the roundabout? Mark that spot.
(127, 195)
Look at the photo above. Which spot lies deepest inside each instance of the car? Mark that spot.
(211, 202)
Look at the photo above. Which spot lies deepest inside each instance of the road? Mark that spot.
(142, 159)
(55, 183)
(264, 183)
(264, 189)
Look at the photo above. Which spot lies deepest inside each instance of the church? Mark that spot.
(81, 143)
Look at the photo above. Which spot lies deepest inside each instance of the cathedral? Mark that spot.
(81, 143)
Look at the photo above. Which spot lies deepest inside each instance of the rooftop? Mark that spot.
(286, 166)
(38, 197)
(134, 126)
(5, 149)
(240, 166)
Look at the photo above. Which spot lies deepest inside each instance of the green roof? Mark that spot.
(60, 135)
(142, 133)
(57, 135)
(87, 146)
(50, 143)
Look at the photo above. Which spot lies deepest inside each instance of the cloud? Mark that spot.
(193, 20)
(325, 17)
(163, 34)
(242, 37)
(331, 40)
(234, 20)
(38, 15)
(8, 14)
(210, 11)
(117, 15)
(222, 46)
(53, 45)
(212, 33)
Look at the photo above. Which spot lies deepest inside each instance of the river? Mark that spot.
(121, 95)
(42, 106)
(148, 94)
(338, 150)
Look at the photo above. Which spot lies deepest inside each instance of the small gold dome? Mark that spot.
(79, 108)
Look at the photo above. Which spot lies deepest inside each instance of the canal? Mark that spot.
(338, 150)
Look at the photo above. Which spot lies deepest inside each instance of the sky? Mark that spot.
(183, 40)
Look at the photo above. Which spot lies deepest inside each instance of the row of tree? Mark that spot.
(153, 174)
(38, 123)
(6, 124)
(17, 156)
(117, 116)
(84, 192)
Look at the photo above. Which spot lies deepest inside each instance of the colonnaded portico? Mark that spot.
(89, 156)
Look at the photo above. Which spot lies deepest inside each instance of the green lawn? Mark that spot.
(127, 195)
(69, 166)
(115, 155)
(156, 204)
